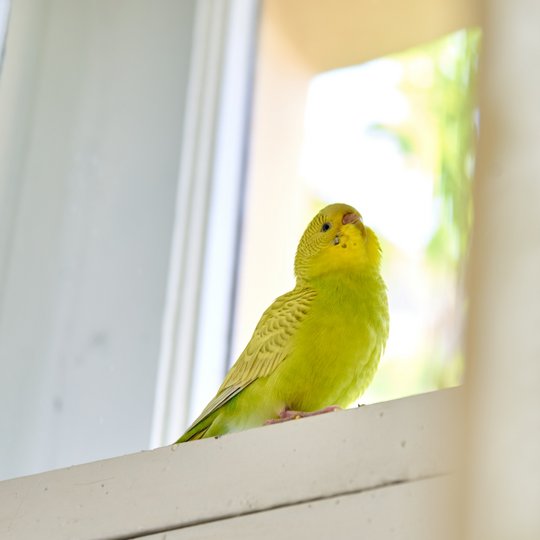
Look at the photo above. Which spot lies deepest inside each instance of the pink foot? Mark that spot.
(286, 414)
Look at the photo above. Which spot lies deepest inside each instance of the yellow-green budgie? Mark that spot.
(317, 347)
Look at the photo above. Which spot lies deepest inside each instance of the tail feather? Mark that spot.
(199, 435)
(198, 430)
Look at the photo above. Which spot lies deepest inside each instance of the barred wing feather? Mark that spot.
(269, 346)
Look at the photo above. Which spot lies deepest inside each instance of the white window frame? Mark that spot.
(204, 253)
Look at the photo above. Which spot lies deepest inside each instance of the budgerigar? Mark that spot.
(317, 347)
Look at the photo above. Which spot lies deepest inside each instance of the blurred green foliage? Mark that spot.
(439, 83)
(454, 105)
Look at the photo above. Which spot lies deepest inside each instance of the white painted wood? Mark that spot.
(414, 510)
(178, 486)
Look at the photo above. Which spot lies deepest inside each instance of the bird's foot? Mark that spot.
(286, 414)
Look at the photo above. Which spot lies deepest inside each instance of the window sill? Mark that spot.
(384, 471)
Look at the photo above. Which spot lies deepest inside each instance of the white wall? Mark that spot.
(503, 369)
(91, 111)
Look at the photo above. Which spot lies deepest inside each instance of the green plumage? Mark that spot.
(317, 345)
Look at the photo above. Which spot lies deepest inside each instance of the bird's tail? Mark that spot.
(197, 430)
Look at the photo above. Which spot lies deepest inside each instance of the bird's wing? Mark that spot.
(268, 347)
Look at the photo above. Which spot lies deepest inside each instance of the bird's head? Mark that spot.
(336, 240)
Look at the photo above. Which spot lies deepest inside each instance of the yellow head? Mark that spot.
(336, 240)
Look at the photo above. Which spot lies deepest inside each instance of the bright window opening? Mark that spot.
(394, 137)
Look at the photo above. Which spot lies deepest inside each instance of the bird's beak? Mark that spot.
(354, 219)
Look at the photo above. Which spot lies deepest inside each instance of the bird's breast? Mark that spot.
(337, 349)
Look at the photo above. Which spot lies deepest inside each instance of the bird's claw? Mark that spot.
(286, 414)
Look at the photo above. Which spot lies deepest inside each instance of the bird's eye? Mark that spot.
(326, 226)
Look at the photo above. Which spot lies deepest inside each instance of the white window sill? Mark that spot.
(381, 471)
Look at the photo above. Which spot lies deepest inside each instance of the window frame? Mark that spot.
(196, 331)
